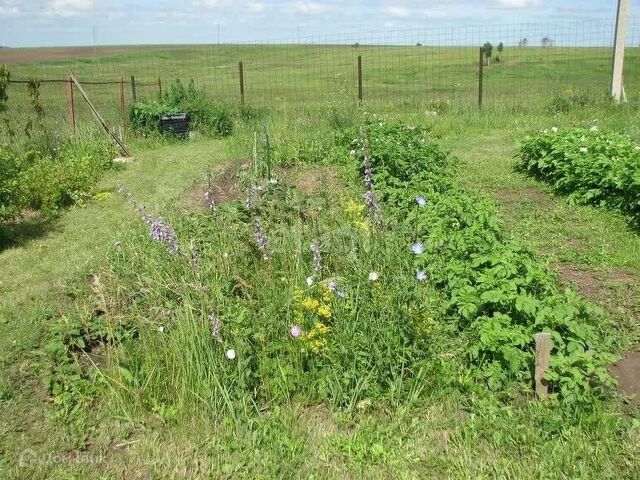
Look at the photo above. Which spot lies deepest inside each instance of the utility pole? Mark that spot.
(617, 89)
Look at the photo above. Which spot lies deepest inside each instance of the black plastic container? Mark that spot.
(177, 123)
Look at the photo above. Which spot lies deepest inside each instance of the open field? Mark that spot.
(290, 75)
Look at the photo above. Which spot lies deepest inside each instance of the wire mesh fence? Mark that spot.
(529, 64)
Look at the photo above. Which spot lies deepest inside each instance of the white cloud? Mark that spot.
(397, 11)
(256, 7)
(518, 3)
(310, 8)
(68, 8)
(9, 8)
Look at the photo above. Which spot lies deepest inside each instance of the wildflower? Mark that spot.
(261, 240)
(231, 354)
(310, 304)
(273, 181)
(352, 153)
(373, 276)
(252, 197)
(309, 281)
(417, 247)
(209, 200)
(594, 128)
(215, 323)
(583, 149)
(421, 275)
(421, 201)
(160, 329)
(554, 129)
(161, 231)
(545, 131)
(324, 311)
(317, 258)
(333, 287)
(296, 331)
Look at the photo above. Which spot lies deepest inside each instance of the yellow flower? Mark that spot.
(310, 303)
(324, 311)
(353, 207)
(362, 225)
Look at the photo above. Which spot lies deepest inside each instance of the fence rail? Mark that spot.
(529, 64)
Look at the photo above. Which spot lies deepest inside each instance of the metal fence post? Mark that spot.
(71, 106)
(133, 89)
(241, 72)
(480, 68)
(360, 78)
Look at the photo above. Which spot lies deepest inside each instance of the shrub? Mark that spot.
(11, 165)
(589, 166)
(207, 116)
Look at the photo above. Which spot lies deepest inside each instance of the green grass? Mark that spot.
(454, 436)
(430, 78)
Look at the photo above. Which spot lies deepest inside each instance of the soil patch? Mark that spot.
(224, 188)
(312, 180)
(594, 285)
(510, 196)
(627, 371)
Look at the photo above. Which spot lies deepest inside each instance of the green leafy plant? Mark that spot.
(589, 166)
(5, 76)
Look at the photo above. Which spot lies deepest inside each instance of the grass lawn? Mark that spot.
(44, 269)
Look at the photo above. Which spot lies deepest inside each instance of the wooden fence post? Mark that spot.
(241, 71)
(360, 78)
(543, 356)
(159, 87)
(70, 104)
(133, 89)
(480, 67)
(122, 105)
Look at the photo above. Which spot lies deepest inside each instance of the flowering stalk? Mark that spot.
(216, 324)
(369, 199)
(317, 257)
(261, 239)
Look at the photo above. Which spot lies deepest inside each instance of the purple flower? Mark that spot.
(209, 201)
(421, 275)
(421, 201)
(215, 323)
(417, 247)
(161, 231)
(333, 287)
(261, 239)
(296, 331)
(317, 257)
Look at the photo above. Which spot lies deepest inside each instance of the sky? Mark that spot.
(115, 22)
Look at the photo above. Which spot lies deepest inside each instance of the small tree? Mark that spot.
(523, 42)
(499, 48)
(547, 42)
(487, 48)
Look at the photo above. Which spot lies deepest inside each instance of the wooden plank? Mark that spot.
(159, 88)
(544, 344)
(98, 117)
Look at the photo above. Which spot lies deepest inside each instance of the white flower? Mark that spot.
(583, 138)
(273, 181)
(373, 276)
(594, 128)
(421, 275)
(554, 129)
(583, 149)
(161, 329)
(352, 152)
(417, 247)
(421, 201)
(545, 131)
(231, 354)
(309, 281)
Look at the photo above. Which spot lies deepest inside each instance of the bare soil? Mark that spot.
(312, 180)
(627, 371)
(594, 285)
(224, 188)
